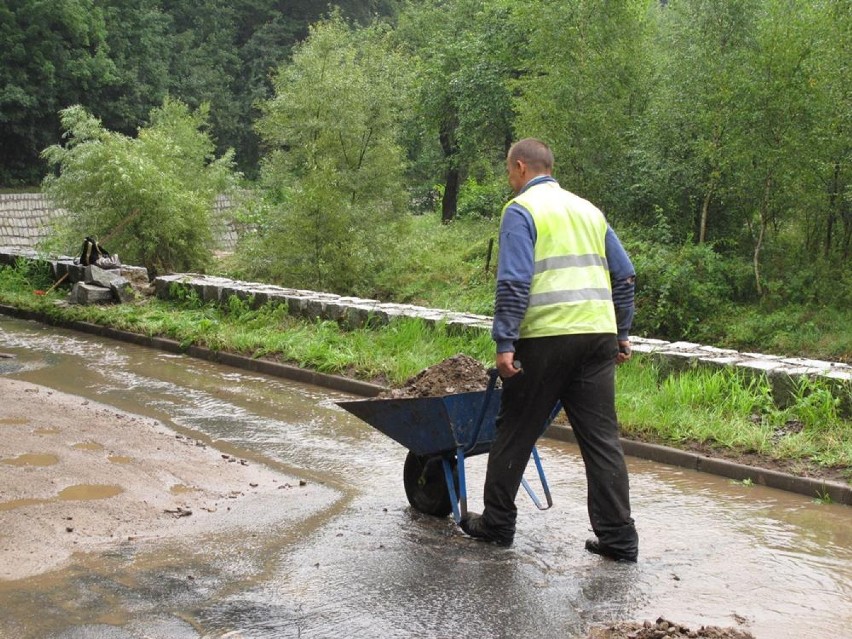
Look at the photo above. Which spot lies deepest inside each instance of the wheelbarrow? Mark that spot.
(440, 433)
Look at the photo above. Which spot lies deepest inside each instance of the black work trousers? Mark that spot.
(579, 370)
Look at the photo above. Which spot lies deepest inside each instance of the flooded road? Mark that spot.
(712, 552)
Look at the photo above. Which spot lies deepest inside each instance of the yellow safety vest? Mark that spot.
(571, 292)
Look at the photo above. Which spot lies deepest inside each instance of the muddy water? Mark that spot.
(712, 552)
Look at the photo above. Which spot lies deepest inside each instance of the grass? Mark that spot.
(728, 409)
(720, 408)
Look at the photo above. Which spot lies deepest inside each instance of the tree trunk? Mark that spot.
(705, 207)
(832, 210)
(761, 233)
(449, 204)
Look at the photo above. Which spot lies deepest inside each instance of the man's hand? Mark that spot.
(624, 351)
(506, 365)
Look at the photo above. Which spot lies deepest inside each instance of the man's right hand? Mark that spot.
(625, 351)
(506, 365)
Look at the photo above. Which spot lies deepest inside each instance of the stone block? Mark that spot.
(122, 290)
(136, 275)
(163, 284)
(86, 294)
(211, 292)
(296, 305)
(313, 309)
(101, 277)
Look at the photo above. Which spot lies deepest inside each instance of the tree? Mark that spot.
(583, 85)
(54, 54)
(692, 117)
(829, 230)
(464, 101)
(153, 194)
(773, 143)
(334, 168)
(140, 47)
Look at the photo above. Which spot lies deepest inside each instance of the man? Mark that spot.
(563, 309)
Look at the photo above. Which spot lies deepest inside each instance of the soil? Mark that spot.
(457, 374)
(78, 476)
(663, 628)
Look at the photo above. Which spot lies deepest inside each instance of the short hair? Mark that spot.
(533, 152)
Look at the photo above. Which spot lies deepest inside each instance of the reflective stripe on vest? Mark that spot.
(571, 291)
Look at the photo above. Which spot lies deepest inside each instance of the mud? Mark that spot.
(79, 476)
(457, 374)
(663, 628)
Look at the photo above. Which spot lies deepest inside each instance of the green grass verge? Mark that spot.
(724, 409)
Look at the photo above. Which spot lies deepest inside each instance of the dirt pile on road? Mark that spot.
(663, 628)
(457, 374)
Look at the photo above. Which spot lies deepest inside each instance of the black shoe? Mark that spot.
(596, 547)
(474, 526)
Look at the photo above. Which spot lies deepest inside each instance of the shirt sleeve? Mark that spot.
(515, 265)
(623, 279)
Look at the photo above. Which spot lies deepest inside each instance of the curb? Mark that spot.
(815, 488)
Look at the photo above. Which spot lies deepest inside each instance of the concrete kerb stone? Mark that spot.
(358, 312)
(814, 488)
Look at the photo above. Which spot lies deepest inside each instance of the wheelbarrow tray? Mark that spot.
(430, 426)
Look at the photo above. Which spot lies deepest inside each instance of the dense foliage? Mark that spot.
(152, 195)
(715, 134)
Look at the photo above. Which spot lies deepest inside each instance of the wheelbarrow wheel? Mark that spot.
(425, 485)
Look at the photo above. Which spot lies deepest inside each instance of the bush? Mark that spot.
(482, 199)
(152, 196)
(680, 287)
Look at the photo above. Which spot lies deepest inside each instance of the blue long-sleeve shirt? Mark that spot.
(516, 263)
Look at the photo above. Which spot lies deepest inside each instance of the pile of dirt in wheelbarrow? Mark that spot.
(457, 374)
(665, 628)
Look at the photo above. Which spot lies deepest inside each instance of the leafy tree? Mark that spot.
(699, 55)
(828, 231)
(151, 195)
(334, 166)
(773, 144)
(583, 85)
(139, 45)
(464, 102)
(54, 54)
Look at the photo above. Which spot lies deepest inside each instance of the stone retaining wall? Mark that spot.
(783, 372)
(25, 220)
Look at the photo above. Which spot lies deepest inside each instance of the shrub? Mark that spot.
(152, 195)
(678, 287)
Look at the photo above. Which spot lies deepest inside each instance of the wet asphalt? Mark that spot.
(367, 565)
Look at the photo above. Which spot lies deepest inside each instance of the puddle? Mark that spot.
(88, 446)
(79, 492)
(82, 492)
(14, 421)
(32, 459)
(181, 489)
(20, 503)
(120, 459)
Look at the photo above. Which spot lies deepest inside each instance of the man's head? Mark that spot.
(528, 158)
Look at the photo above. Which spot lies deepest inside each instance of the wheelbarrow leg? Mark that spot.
(458, 494)
(544, 485)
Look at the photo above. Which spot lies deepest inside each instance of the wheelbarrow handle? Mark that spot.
(489, 391)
